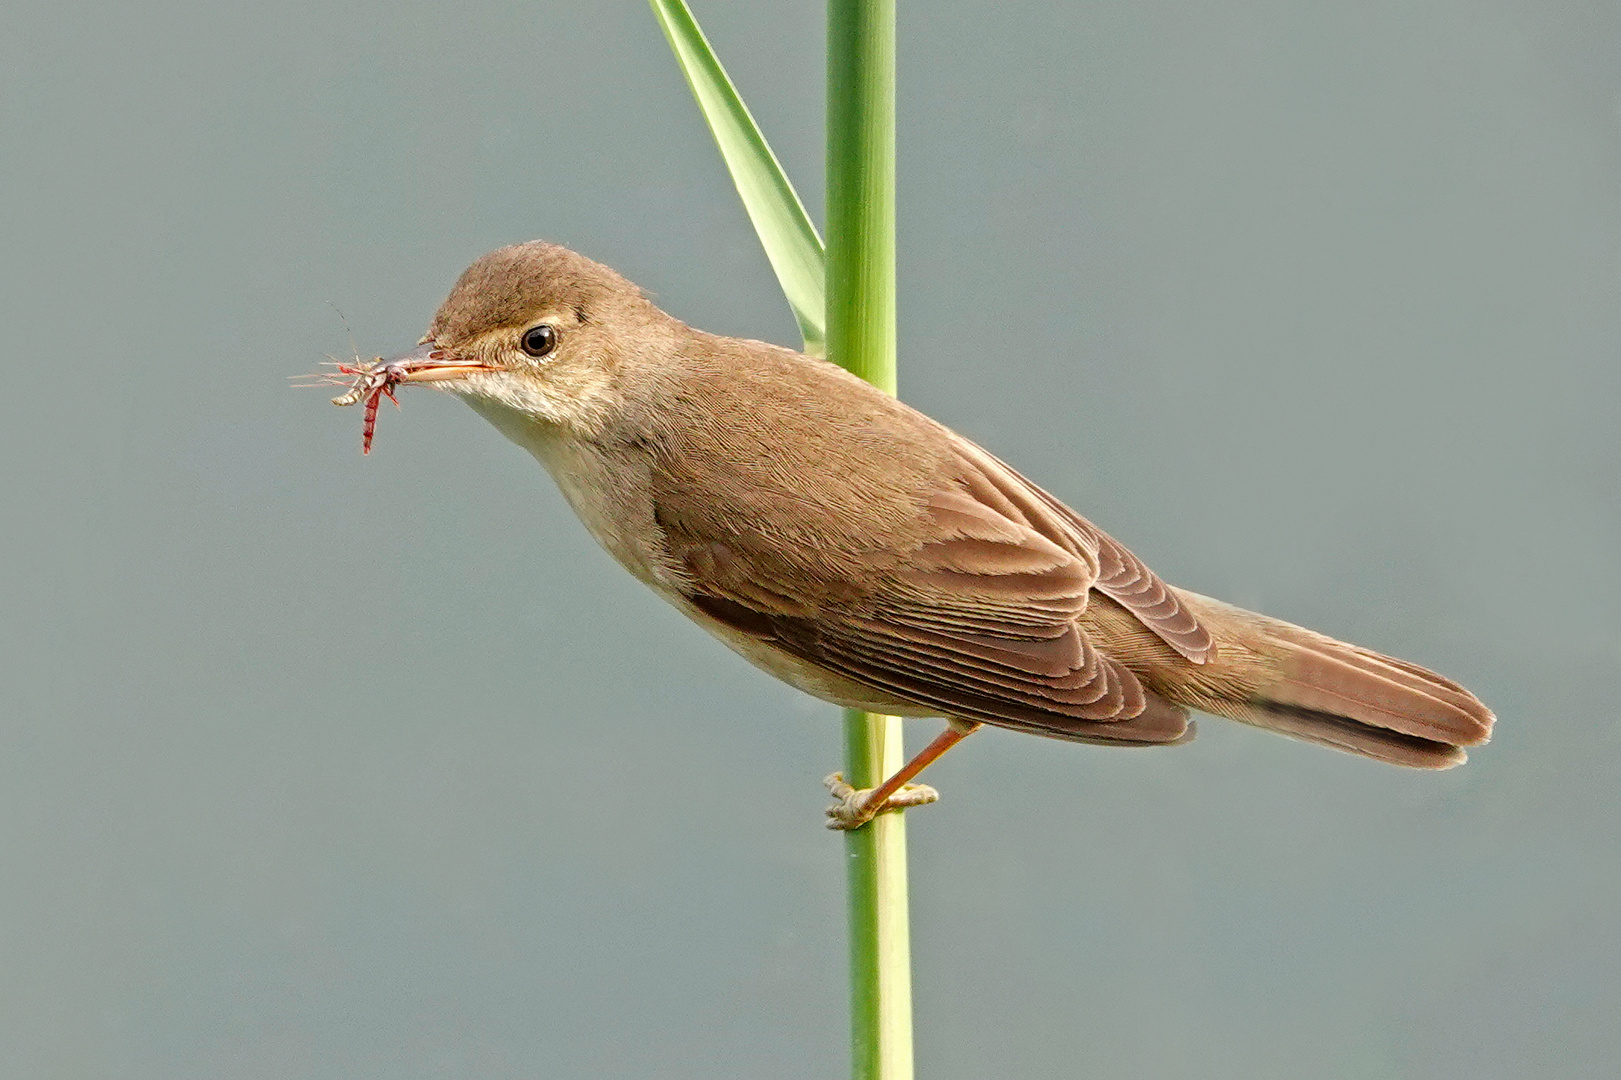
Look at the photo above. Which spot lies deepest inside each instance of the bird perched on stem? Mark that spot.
(866, 554)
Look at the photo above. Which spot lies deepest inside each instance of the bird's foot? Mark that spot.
(852, 811)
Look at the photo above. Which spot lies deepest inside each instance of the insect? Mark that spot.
(371, 384)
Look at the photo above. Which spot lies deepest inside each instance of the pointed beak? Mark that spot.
(429, 363)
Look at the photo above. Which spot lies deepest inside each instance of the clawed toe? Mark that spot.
(852, 811)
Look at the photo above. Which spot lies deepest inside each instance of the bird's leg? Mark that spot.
(855, 808)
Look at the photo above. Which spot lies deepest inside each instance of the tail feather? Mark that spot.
(1353, 736)
(1328, 677)
(1326, 691)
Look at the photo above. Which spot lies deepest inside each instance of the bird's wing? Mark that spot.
(1119, 574)
(976, 617)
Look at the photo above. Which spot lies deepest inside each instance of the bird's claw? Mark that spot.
(851, 810)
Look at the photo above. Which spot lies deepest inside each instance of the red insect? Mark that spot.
(373, 384)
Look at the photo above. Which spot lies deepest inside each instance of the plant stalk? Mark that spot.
(861, 337)
(773, 206)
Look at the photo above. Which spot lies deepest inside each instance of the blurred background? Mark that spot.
(320, 766)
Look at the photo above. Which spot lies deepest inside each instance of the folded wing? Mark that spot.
(978, 619)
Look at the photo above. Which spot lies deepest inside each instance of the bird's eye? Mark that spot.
(539, 340)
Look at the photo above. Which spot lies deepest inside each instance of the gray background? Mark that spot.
(321, 766)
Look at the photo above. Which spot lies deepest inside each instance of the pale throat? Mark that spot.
(610, 492)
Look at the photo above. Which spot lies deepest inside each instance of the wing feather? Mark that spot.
(1120, 575)
(969, 603)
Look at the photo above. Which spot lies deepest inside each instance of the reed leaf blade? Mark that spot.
(790, 239)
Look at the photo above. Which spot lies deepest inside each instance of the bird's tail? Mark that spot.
(1326, 691)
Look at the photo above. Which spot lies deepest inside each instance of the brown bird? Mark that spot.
(866, 554)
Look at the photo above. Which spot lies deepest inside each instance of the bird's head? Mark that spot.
(538, 330)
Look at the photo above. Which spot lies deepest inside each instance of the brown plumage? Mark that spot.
(865, 553)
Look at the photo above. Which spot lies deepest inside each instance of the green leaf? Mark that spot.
(785, 230)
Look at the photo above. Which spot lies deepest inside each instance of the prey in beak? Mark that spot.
(371, 383)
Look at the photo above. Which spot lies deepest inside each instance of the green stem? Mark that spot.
(861, 336)
(880, 946)
(861, 187)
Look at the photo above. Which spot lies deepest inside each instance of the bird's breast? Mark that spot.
(608, 486)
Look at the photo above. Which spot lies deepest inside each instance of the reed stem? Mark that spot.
(861, 337)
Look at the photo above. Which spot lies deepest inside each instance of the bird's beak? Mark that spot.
(429, 363)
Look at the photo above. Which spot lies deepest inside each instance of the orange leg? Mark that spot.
(855, 808)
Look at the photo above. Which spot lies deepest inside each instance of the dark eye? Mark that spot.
(539, 340)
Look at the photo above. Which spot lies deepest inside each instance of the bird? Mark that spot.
(870, 556)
